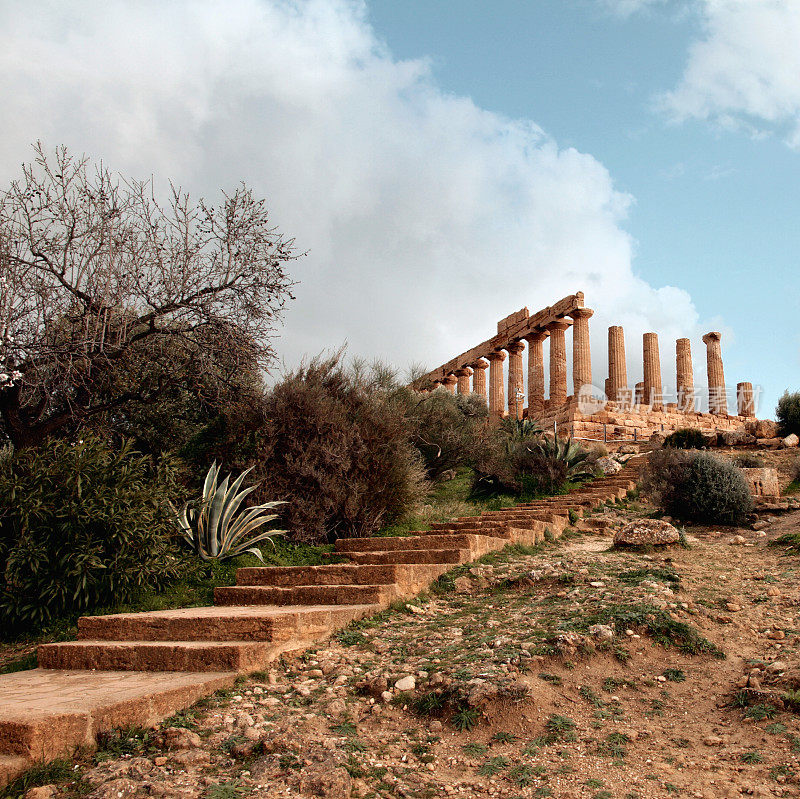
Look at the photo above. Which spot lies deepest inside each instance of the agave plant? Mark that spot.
(573, 455)
(214, 526)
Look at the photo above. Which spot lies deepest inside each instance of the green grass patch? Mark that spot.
(50, 773)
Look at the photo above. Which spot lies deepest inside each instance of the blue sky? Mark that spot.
(445, 163)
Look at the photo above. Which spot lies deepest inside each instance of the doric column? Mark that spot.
(717, 401)
(449, 383)
(744, 399)
(496, 394)
(652, 371)
(638, 396)
(462, 376)
(516, 379)
(617, 366)
(684, 376)
(535, 372)
(558, 363)
(479, 377)
(581, 349)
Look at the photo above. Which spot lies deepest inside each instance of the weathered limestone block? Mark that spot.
(536, 372)
(463, 375)
(717, 401)
(652, 390)
(496, 393)
(617, 366)
(647, 532)
(762, 428)
(762, 482)
(790, 441)
(516, 380)
(558, 363)
(479, 377)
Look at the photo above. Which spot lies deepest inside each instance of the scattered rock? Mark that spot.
(790, 441)
(776, 667)
(41, 792)
(647, 532)
(732, 607)
(181, 738)
(462, 584)
(608, 465)
(326, 780)
(602, 632)
(407, 683)
(738, 540)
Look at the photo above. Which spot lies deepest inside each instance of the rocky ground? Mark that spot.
(572, 670)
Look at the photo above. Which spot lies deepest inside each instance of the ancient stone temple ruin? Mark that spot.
(617, 411)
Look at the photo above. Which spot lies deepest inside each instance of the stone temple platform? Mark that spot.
(615, 411)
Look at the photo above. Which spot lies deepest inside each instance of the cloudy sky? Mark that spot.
(445, 162)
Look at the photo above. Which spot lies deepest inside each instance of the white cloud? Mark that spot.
(745, 70)
(427, 218)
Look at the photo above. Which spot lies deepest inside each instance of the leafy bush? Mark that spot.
(82, 525)
(788, 413)
(685, 438)
(448, 429)
(697, 486)
(334, 445)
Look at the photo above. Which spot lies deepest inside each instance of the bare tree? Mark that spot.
(96, 275)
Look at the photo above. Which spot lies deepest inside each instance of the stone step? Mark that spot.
(249, 623)
(477, 545)
(334, 574)
(448, 557)
(238, 656)
(306, 595)
(11, 766)
(48, 713)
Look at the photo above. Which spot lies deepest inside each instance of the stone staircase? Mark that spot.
(138, 668)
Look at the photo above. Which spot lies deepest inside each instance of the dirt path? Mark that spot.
(549, 703)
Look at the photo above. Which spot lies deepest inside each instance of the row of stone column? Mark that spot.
(581, 368)
(648, 392)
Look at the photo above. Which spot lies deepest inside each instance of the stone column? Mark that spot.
(463, 379)
(684, 376)
(479, 377)
(638, 395)
(717, 401)
(558, 363)
(449, 383)
(652, 372)
(535, 372)
(516, 380)
(744, 399)
(581, 350)
(496, 398)
(617, 366)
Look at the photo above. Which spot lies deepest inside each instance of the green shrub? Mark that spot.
(447, 429)
(685, 438)
(788, 413)
(82, 525)
(697, 486)
(335, 446)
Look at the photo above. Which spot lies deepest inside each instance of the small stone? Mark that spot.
(602, 632)
(407, 683)
(435, 726)
(181, 738)
(41, 792)
(647, 532)
(732, 607)
(712, 740)
(462, 584)
(738, 540)
(387, 696)
(776, 635)
(776, 667)
(160, 760)
(791, 441)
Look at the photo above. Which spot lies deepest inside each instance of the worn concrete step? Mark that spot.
(448, 557)
(306, 595)
(48, 714)
(250, 623)
(239, 656)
